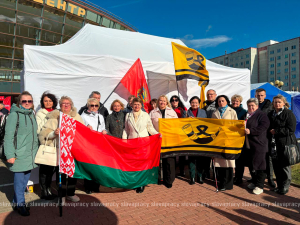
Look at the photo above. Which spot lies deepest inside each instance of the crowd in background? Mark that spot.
(269, 127)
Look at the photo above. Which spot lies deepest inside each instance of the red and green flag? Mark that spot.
(110, 161)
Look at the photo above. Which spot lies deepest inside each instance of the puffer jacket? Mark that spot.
(27, 140)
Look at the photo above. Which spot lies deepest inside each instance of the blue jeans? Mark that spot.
(20, 184)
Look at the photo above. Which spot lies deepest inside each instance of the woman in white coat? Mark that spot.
(224, 167)
(48, 104)
(138, 124)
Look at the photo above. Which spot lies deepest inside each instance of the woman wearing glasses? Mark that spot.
(20, 147)
(95, 121)
(48, 104)
(51, 130)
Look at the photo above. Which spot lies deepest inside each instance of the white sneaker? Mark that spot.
(74, 198)
(258, 191)
(251, 186)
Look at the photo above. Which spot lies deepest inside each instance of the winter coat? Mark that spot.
(258, 125)
(115, 124)
(181, 113)
(140, 128)
(95, 120)
(102, 110)
(4, 111)
(210, 108)
(52, 124)
(240, 112)
(266, 106)
(155, 114)
(284, 125)
(200, 114)
(27, 140)
(229, 114)
(41, 119)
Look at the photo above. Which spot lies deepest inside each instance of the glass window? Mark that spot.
(293, 69)
(293, 61)
(29, 20)
(6, 52)
(5, 64)
(286, 63)
(293, 83)
(29, 32)
(7, 15)
(105, 22)
(123, 28)
(294, 76)
(272, 66)
(294, 54)
(286, 83)
(286, 48)
(5, 76)
(278, 64)
(286, 56)
(278, 78)
(50, 37)
(70, 31)
(6, 40)
(241, 63)
(18, 65)
(19, 54)
(20, 41)
(91, 16)
(6, 27)
(271, 52)
(271, 72)
(236, 65)
(8, 3)
(118, 26)
(272, 59)
(247, 56)
(74, 21)
(272, 79)
(52, 26)
(17, 77)
(294, 47)
(112, 24)
(231, 65)
(286, 70)
(53, 14)
(247, 62)
(279, 57)
(278, 71)
(30, 7)
(278, 50)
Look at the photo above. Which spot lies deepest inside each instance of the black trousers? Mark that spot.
(269, 168)
(258, 177)
(45, 176)
(181, 163)
(225, 177)
(199, 164)
(68, 184)
(91, 185)
(283, 174)
(169, 169)
(239, 169)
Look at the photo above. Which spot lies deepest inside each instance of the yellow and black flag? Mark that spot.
(190, 64)
(202, 137)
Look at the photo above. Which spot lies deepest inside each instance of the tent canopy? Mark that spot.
(271, 91)
(96, 58)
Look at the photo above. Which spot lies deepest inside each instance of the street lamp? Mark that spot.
(278, 84)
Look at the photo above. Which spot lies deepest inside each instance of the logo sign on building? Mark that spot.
(1, 98)
(6, 102)
(60, 4)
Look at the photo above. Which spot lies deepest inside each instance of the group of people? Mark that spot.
(265, 123)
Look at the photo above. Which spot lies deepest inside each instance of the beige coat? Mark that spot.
(229, 114)
(140, 128)
(52, 124)
(155, 114)
(41, 119)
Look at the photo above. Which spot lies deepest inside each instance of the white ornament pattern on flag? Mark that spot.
(67, 134)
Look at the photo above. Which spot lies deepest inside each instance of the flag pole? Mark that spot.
(217, 189)
(60, 196)
(110, 94)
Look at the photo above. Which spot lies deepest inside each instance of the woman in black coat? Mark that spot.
(282, 131)
(256, 144)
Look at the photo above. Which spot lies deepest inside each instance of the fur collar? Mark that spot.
(55, 113)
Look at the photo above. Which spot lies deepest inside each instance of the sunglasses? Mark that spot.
(26, 101)
(94, 105)
(174, 100)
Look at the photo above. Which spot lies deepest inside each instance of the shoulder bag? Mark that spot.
(47, 155)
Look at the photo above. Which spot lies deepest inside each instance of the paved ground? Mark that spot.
(182, 204)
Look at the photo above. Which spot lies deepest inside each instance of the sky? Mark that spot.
(211, 27)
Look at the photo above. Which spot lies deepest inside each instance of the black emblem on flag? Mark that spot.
(195, 137)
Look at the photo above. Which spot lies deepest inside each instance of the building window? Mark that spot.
(286, 56)
(247, 62)
(236, 65)
(293, 61)
(271, 72)
(293, 84)
(272, 59)
(278, 71)
(247, 56)
(272, 79)
(278, 64)
(236, 58)
(271, 52)
(293, 46)
(278, 50)
(286, 70)
(231, 65)
(278, 78)
(286, 48)
(286, 63)
(286, 77)
(286, 83)
(294, 76)
(294, 54)
(279, 57)
(241, 57)
(272, 66)
(231, 60)
(293, 69)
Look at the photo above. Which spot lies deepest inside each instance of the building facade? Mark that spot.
(272, 61)
(43, 22)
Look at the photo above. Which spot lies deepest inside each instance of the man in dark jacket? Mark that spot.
(210, 106)
(102, 110)
(3, 109)
(265, 105)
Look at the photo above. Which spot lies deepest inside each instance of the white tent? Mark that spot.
(96, 58)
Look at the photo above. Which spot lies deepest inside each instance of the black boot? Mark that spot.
(200, 180)
(23, 211)
(271, 182)
(192, 181)
(140, 189)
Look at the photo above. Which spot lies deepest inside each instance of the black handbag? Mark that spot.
(291, 154)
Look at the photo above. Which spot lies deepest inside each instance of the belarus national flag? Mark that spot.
(110, 161)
